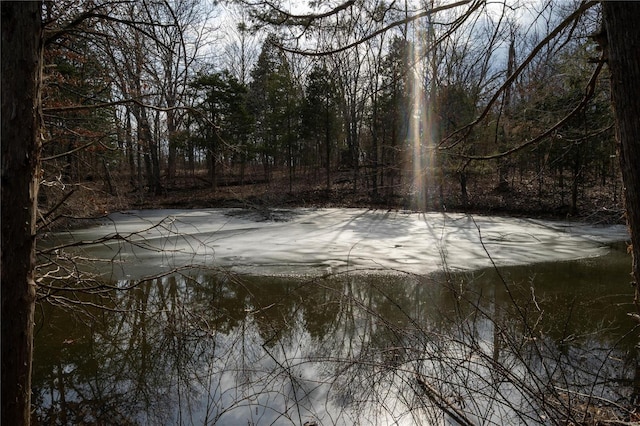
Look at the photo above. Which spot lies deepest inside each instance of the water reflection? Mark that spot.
(216, 348)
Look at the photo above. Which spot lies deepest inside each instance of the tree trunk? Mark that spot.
(151, 161)
(129, 148)
(463, 188)
(154, 150)
(622, 51)
(21, 79)
(171, 99)
(327, 142)
(173, 149)
(577, 177)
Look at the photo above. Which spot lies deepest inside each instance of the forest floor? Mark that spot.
(67, 205)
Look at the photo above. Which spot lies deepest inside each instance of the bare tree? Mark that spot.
(242, 50)
(171, 63)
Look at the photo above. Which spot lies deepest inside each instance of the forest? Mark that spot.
(200, 105)
(521, 108)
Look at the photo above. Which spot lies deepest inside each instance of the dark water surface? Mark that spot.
(210, 347)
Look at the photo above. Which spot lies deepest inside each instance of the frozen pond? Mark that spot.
(320, 241)
(335, 317)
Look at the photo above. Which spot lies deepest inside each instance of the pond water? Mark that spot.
(336, 317)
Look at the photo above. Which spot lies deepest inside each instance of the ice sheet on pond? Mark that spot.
(318, 241)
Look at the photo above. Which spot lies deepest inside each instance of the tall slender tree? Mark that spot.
(395, 104)
(274, 97)
(320, 116)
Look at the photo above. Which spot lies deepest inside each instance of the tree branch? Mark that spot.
(474, 5)
(566, 22)
(588, 95)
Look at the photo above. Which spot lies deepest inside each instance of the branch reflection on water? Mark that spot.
(550, 344)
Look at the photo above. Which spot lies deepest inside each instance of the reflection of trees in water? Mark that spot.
(99, 364)
(340, 350)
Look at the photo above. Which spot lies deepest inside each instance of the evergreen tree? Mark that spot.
(320, 124)
(395, 103)
(274, 100)
(224, 120)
